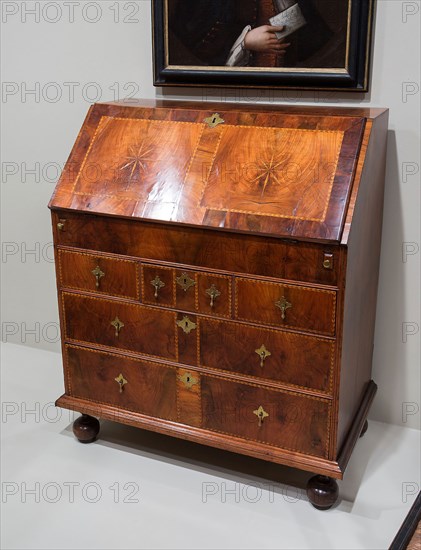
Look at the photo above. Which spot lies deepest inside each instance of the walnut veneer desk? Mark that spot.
(217, 271)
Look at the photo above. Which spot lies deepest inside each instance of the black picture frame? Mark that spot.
(352, 77)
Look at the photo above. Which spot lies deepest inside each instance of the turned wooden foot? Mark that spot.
(322, 492)
(365, 428)
(86, 428)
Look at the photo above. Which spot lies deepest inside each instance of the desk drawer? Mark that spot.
(300, 360)
(82, 271)
(288, 420)
(282, 305)
(119, 325)
(129, 384)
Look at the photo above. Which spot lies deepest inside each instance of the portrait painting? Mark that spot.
(316, 44)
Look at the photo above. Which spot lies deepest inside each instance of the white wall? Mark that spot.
(39, 131)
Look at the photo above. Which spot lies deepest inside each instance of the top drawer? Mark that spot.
(204, 248)
(282, 305)
(96, 273)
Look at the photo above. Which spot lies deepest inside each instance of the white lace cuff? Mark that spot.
(239, 56)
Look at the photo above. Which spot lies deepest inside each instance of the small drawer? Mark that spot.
(288, 420)
(158, 285)
(300, 360)
(214, 294)
(130, 384)
(282, 305)
(82, 271)
(120, 325)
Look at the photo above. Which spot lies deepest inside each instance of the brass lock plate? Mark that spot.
(188, 379)
(214, 120)
(185, 281)
(186, 324)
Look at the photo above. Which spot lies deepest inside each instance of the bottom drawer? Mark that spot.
(284, 419)
(140, 386)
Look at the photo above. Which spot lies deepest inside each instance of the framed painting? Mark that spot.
(301, 44)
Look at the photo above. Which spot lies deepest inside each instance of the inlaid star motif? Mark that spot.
(266, 171)
(137, 159)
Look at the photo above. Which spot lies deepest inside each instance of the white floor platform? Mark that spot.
(134, 489)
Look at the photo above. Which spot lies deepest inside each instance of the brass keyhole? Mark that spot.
(185, 281)
(214, 120)
(188, 380)
(186, 324)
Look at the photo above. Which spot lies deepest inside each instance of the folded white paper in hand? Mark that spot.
(291, 19)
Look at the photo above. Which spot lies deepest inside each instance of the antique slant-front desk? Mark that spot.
(217, 271)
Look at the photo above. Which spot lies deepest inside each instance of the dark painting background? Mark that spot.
(202, 32)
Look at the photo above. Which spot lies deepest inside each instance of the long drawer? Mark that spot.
(213, 249)
(296, 359)
(284, 419)
(116, 324)
(130, 384)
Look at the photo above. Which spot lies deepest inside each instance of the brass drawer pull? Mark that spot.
(213, 292)
(98, 274)
(262, 352)
(60, 225)
(185, 281)
(261, 415)
(118, 325)
(283, 305)
(328, 261)
(157, 284)
(121, 381)
(186, 324)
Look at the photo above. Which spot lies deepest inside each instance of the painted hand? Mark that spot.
(263, 39)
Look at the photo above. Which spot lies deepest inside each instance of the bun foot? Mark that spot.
(86, 428)
(365, 428)
(322, 492)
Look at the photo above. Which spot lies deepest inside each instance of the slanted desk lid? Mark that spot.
(280, 174)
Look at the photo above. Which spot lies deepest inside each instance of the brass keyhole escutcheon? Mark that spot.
(262, 352)
(98, 274)
(185, 281)
(214, 120)
(188, 379)
(213, 292)
(157, 284)
(118, 325)
(121, 381)
(186, 324)
(261, 415)
(283, 305)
